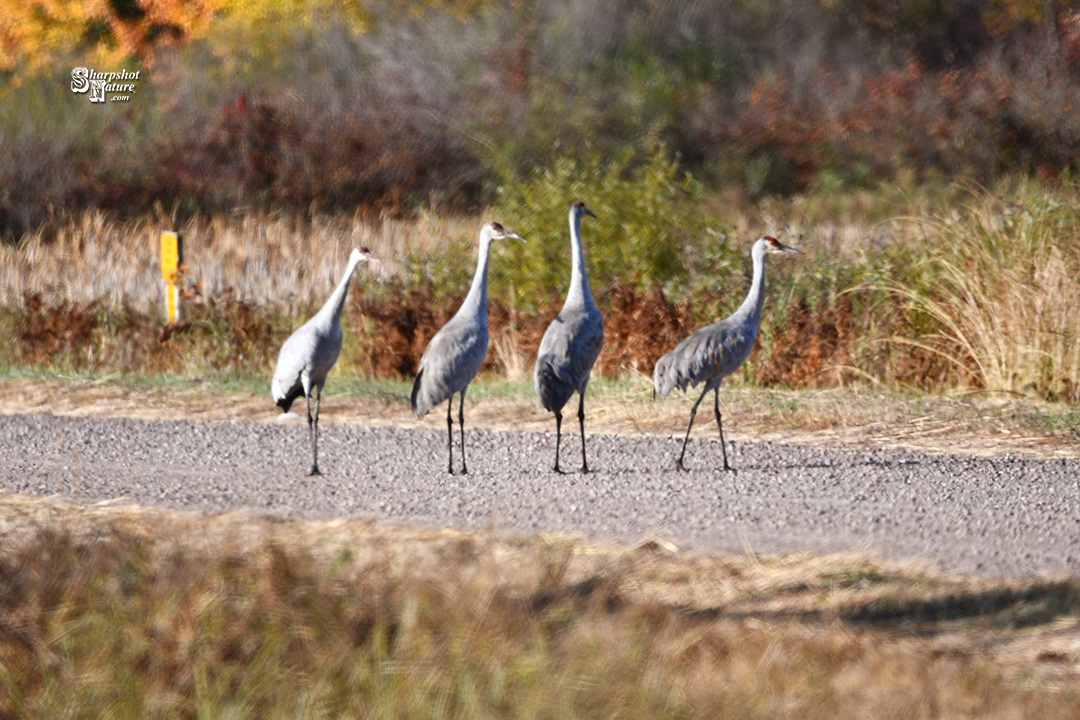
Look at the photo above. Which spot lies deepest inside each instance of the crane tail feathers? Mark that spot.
(416, 392)
(286, 402)
(553, 390)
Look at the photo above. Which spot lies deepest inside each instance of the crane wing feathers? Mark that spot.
(293, 360)
(448, 365)
(708, 354)
(309, 350)
(567, 353)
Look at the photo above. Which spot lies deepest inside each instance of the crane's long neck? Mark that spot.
(476, 301)
(332, 308)
(579, 283)
(750, 309)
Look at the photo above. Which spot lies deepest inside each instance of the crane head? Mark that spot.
(579, 208)
(495, 231)
(772, 245)
(362, 254)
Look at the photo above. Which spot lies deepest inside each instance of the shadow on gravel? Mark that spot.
(1001, 608)
(1013, 608)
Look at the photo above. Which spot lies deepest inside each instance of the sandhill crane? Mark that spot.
(571, 343)
(712, 353)
(457, 351)
(310, 352)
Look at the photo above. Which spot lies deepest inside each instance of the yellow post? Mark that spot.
(172, 251)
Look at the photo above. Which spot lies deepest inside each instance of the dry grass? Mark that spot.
(260, 259)
(1002, 286)
(131, 612)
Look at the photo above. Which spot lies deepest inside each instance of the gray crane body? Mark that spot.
(309, 353)
(571, 343)
(454, 356)
(711, 353)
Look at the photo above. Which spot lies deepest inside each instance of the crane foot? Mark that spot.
(315, 470)
(585, 470)
(680, 466)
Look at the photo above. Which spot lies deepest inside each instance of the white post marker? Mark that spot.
(172, 258)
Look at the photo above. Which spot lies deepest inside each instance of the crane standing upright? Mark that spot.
(571, 343)
(713, 352)
(310, 352)
(457, 351)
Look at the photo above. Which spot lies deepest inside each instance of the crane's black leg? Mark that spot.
(311, 436)
(558, 438)
(450, 434)
(311, 426)
(581, 422)
(315, 442)
(716, 409)
(461, 422)
(693, 412)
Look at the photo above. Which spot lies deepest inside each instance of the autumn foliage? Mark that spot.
(438, 104)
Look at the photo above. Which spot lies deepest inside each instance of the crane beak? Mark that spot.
(789, 249)
(516, 237)
(589, 212)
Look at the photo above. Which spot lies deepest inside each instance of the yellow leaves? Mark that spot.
(36, 34)
(36, 29)
(40, 32)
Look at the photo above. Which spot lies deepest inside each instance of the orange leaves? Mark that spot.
(35, 30)
(39, 32)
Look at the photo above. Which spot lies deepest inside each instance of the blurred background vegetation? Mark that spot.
(905, 143)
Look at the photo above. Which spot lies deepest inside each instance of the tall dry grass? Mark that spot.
(267, 259)
(999, 284)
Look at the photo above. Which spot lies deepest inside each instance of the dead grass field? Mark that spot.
(138, 612)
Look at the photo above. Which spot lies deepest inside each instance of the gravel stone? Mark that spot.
(1000, 516)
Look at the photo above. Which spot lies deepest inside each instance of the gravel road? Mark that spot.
(985, 516)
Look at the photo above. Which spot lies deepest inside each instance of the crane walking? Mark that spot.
(571, 343)
(457, 351)
(310, 352)
(712, 353)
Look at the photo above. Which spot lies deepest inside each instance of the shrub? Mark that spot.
(648, 232)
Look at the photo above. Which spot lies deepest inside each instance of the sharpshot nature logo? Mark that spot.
(100, 83)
